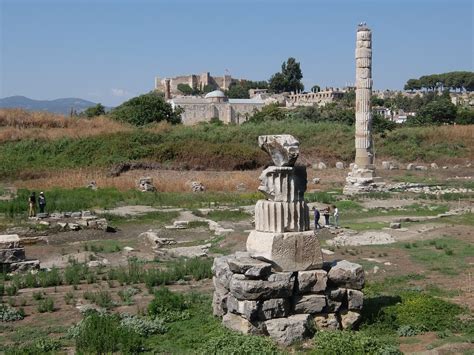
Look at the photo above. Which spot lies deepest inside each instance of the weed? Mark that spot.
(10, 314)
(69, 298)
(38, 295)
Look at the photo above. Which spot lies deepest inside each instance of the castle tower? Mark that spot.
(167, 89)
(362, 177)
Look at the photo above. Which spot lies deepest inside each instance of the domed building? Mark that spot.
(216, 105)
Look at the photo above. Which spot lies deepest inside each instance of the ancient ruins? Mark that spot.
(281, 286)
(362, 178)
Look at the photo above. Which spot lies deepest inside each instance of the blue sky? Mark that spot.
(107, 51)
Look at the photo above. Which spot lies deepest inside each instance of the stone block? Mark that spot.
(349, 319)
(8, 241)
(219, 300)
(311, 281)
(326, 321)
(386, 165)
(355, 299)
(239, 324)
(395, 225)
(411, 166)
(286, 331)
(310, 304)
(74, 226)
(279, 217)
(292, 251)
(12, 255)
(247, 309)
(434, 166)
(42, 215)
(252, 268)
(421, 167)
(244, 289)
(274, 308)
(322, 166)
(335, 299)
(221, 271)
(346, 274)
(339, 165)
(22, 266)
(283, 149)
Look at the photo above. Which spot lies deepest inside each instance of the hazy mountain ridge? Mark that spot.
(62, 106)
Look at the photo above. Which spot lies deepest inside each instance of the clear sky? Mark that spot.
(107, 51)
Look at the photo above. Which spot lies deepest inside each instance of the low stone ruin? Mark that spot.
(145, 184)
(197, 186)
(280, 286)
(12, 255)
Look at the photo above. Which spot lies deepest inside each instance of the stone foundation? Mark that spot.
(362, 181)
(253, 298)
(12, 255)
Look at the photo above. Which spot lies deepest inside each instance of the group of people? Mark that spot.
(32, 203)
(326, 213)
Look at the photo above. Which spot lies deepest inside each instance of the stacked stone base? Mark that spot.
(12, 255)
(253, 298)
(362, 181)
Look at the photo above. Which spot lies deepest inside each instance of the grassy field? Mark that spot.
(206, 146)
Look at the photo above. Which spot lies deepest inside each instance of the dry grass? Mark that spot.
(164, 180)
(17, 124)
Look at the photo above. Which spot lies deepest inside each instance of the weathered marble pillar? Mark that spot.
(282, 233)
(363, 129)
(362, 178)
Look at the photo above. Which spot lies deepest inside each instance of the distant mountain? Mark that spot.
(62, 106)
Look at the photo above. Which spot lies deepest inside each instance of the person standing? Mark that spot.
(326, 216)
(42, 202)
(32, 205)
(336, 216)
(317, 215)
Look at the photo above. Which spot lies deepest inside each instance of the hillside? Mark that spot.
(45, 144)
(61, 106)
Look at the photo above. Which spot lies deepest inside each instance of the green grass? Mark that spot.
(149, 217)
(363, 226)
(107, 198)
(446, 255)
(105, 246)
(224, 215)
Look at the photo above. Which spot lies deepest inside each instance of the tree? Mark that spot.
(289, 79)
(185, 89)
(437, 112)
(237, 91)
(268, 113)
(145, 109)
(94, 111)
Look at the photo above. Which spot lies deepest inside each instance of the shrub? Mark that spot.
(10, 314)
(127, 294)
(101, 298)
(38, 295)
(103, 333)
(226, 342)
(46, 305)
(348, 342)
(168, 305)
(424, 313)
(143, 326)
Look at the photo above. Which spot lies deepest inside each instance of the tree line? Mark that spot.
(456, 80)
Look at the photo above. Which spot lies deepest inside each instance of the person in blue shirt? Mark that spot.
(317, 215)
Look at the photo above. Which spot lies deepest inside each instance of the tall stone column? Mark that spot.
(362, 177)
(363, 130)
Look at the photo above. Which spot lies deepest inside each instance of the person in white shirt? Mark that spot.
(336, 216)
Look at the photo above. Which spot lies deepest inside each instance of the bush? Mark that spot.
(46, 305)
(348, 342)
(143, 326)
(10, 314)
(226, 342)
(168, 305)
(103, 333)
(145, 109)
(424, 313)
(101, 298)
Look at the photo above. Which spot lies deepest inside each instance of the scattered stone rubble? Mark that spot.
(73, 221)
(197, 186)
(12, 255)
(427, 189)
(280, 287)
(145, 184)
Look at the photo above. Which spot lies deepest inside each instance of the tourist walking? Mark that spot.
(317, 215)
(326, 216)
(336, 216)
(42, 202)
(32, 205)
